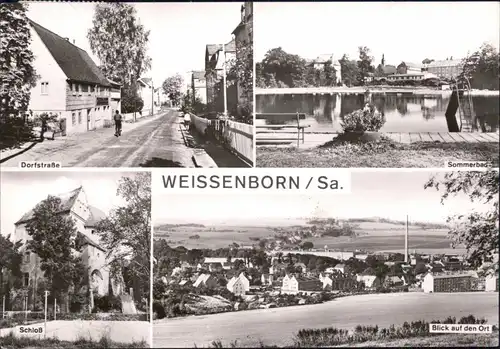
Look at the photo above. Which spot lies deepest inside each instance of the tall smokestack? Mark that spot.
(406, 241)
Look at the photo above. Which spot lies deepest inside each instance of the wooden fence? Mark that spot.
(237, 136)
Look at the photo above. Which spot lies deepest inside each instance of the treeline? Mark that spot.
(170, 226)
(280, 69)
(424, 225)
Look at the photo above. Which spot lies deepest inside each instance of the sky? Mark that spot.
(403, 31)
(179, 31)
(21, 191)
(390, 195)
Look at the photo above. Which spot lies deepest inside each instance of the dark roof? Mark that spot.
(85, 240)
(389, 69)
(74, 62)
(67, 201)
(212, 48)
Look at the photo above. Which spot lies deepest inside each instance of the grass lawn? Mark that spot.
(11, 342)
(445, 340)
(383, 153)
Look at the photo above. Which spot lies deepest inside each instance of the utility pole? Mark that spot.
(3, 307)
(406, 241)
(224, 78)
(152, 97)
(45, 331)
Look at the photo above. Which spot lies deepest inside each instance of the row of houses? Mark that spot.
(202, 83)
(72, 87)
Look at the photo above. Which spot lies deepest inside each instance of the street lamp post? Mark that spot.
(224, 78)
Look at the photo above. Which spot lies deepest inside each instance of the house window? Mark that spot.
(73, 118)
(45, 88)
(85, 88)
(92, 88)
(26, 279)
(79, 117)
(26, 257)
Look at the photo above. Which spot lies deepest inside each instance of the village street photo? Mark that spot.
(369, 268)
(75, 259)
(372, 95)
(110, 85)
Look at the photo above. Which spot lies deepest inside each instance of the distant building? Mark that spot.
(409, 76)
(292, 285)
(266, 279)
(340, 268)
(409, 68)
(320, 62)
(445, 69)
(393, 281)
(369, 281)
(236, 286)
(206, 280)
(448, 283)
(199, 85)
(337, 283)
(491, 283)
(146, 92)
(214, 267)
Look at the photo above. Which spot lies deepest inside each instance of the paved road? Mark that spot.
(152, 142)
(117, 331)
(278, 326)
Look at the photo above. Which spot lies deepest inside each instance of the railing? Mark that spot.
(234, 135)
(264, 130)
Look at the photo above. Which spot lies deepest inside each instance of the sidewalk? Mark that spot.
(63, 142)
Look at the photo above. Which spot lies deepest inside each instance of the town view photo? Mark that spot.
(75, 260)
(368, 268)
(374, 95)
(127, 84)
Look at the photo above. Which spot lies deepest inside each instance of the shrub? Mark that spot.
(159, 309)
(107, 303)
(363, 120)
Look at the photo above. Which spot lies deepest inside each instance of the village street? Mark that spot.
(151, 142)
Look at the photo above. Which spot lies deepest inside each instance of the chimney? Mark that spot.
(406, 241)
(73, 41)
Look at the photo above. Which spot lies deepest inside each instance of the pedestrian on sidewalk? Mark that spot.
(118, 124)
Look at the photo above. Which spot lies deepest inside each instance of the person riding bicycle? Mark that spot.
(118, 124)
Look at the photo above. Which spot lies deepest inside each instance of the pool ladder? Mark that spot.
(465, 107)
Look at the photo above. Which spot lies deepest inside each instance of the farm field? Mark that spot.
(278, 326)
(372, 236)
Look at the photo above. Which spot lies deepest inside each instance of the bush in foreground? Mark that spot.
(363, 120)
(10, 341)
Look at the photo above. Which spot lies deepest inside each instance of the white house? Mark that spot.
(370, 281)
(491, 283)
(74, 205)
(236, 286)
(145, 90)
(71, 86)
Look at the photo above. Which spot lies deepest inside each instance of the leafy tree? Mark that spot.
(241, 70)
(364, 64)
(349, 70)
(420, 268)
(330, 74)
(126, 232)
(307, 245)
(287, 68)
(10, 258)
(53, 240)
(172, 87)
(482, 68)
(427, 61)
(478, 230)
(16, 58)
(119, 41)
(131, 101)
